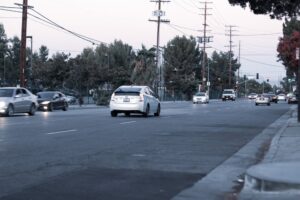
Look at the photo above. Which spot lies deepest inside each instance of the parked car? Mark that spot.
(281, 97)
(134, 99)
(17, 100)
(52, 100)
(262, 100)
(272, 97)
(200, 97)
(70, 99)
(292, 99)
(252, 96)
(228, 94)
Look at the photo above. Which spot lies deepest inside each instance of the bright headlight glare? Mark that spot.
(2, 104)
(45, 102)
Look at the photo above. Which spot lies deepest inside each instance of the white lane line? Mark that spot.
(58, 132)
(130, 122)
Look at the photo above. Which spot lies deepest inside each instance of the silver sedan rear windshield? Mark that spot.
(128, 91)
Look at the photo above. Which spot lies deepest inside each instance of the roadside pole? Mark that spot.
(298, 81)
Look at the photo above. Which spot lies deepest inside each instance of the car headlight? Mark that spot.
(45, 102)
(2, 104)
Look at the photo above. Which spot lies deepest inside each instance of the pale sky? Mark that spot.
(108, 20)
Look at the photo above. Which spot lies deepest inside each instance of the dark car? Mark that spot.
(273, 97)
(52, 100)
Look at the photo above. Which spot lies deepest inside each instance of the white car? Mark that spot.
(200, 97)
(17, 100)
(262, 100)
(252, 96)
(281, 97)
(134, 99)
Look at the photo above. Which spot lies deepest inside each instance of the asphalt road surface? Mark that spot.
(86, 154)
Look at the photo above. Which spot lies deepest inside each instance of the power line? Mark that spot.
(262, 63)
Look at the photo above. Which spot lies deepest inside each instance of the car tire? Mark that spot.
(50, 107)
(268, 104)
(32, 110)
(65, 108)
(146, 113)
(113, 113)
(127, 114)
(157, 111)
(10, 110)
(256, 104)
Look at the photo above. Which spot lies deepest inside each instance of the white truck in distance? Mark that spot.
(228, 94)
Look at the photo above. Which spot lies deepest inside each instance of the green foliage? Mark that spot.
(182, 58)
(144, 72)
(276, 9)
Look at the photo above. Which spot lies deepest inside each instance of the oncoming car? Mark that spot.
(134, 99)
(52, 100)
(200, 97)
(17, 100)
(262, 100)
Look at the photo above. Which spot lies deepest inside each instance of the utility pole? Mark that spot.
(298, 80)
(23, 43)
(159, 14)
(204, 40)
(230, 53)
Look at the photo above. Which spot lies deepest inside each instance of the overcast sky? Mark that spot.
(108, 20)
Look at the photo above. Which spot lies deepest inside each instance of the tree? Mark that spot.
(144, 72)
(219, 72)
(276, 8)
(287, 51)
(121, 57)
(3, 52)
(182, 58)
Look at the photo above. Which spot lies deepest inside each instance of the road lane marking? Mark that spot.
(130, 122)
(58, 132)
(138, 155)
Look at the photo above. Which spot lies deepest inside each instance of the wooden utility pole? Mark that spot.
(204, 40)
(230, 54)
(23, 43)
(159, 14)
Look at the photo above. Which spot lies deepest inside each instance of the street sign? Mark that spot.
(208, 83)
(297, 53)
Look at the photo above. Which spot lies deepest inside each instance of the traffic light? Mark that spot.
(267, 80)
(257, 75)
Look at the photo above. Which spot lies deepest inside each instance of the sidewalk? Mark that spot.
(277, 177)
(226, 181)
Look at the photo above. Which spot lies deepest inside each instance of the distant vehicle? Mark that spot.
(200, 97)
(17, 100)
(52, 100)
(252, 96)
(262, 100)
(272, 96)
(292, 99)
(281, 97)
(70, 99)
(134, 99)
(228, 94)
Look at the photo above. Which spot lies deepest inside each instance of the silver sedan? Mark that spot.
(17, 100)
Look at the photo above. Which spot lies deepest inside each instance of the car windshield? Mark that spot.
(129, 91)
(45, 95)
(228, 92)
(6, 92)
(200, 94)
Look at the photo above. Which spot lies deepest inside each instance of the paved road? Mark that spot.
(86, 154)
